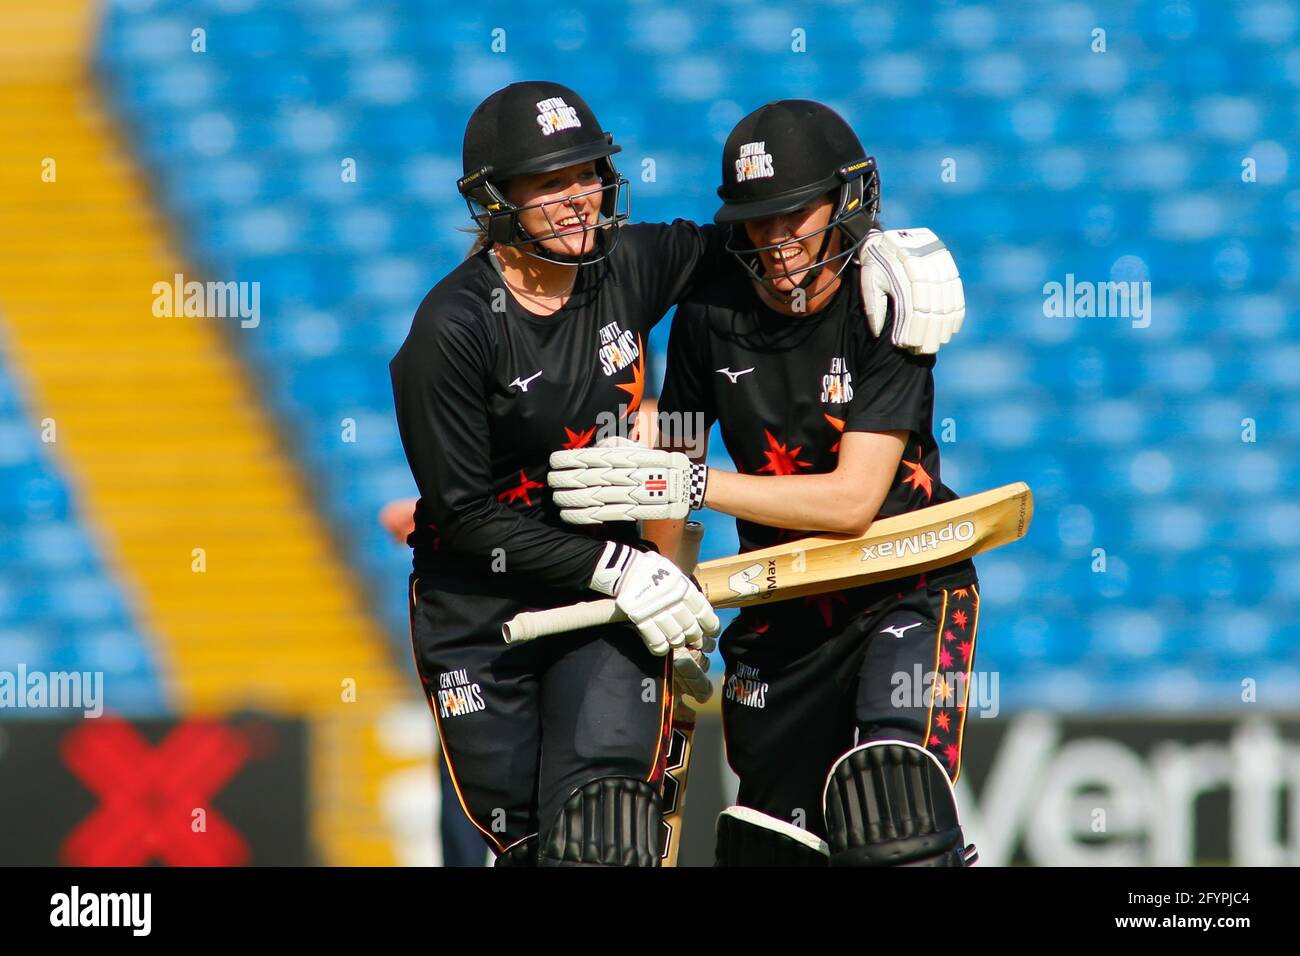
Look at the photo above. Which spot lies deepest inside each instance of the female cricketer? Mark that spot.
(840, 759)
(535, 343)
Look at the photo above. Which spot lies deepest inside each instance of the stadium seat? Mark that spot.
(1121, 166)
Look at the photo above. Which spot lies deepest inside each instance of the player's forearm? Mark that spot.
(664, 535)
(829, 502)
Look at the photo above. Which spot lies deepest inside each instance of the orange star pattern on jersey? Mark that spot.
(941, 721)
(779, 460)
(520, 491)
(838, 425)
(635, 388)
(919, 478)
(959, 618)
(578, 439)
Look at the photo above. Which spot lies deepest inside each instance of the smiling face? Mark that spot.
(567, 203)
(786, 267)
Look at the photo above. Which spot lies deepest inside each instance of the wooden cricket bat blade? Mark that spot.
(896, 547)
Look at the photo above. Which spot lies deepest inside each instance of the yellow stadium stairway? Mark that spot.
(160, 429)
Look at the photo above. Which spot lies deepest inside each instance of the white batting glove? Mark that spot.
(913, 269)
(664, 604)
(691, 674)
(625, 483)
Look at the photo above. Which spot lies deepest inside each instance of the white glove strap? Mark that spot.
(611, 567)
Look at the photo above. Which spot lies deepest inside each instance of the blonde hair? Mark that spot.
(481, 239)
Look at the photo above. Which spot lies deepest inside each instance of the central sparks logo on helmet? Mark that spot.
(755, 162)
(554, 115)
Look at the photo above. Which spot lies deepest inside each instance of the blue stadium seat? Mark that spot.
(54, 586)
(1123, 165)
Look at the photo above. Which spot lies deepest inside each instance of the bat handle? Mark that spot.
(530, 625)
(688, 552)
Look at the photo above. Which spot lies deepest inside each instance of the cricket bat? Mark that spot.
(892, 548)
(682, 732)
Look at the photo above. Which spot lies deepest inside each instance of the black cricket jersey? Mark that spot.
(485, 390)
(785, 389)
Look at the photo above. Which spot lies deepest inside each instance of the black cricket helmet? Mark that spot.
(780, 158)
(535, 127)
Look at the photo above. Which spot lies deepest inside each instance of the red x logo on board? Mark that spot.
(149, 794)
